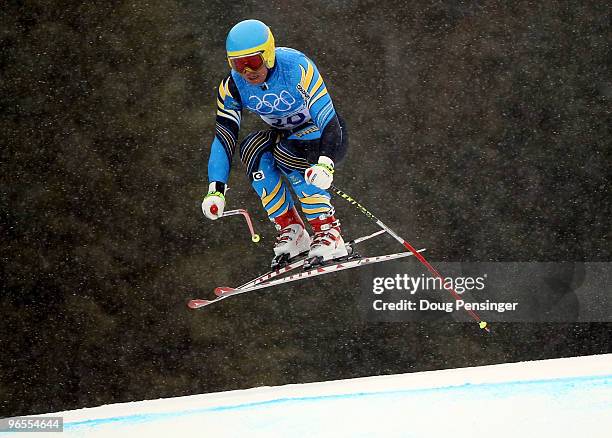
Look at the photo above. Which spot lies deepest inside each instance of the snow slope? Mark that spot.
(551, 398)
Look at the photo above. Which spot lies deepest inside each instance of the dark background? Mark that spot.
(480, 130)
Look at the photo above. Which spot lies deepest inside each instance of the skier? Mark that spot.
(285, 89)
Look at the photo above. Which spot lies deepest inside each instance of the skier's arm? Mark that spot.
(331, 138)
(324, 116)
(321, 108)
(229, 108)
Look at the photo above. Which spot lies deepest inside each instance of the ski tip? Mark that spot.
(196, 304)
(223, 290)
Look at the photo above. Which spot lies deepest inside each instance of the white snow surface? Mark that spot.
(567, 397)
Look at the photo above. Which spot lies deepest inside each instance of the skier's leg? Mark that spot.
(327, 242)
(266, 180)
(293, 155)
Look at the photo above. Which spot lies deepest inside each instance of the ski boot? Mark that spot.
(293, 239)
(327, 243)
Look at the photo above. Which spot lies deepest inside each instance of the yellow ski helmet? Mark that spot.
(250, 37)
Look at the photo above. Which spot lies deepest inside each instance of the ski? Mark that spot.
(298, 263)
(225, 292)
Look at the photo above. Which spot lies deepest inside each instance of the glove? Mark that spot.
(321, 175)
(214, 202)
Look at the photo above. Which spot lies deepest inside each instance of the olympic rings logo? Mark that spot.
(272, 102)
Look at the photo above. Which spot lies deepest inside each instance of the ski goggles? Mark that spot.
(252, 62)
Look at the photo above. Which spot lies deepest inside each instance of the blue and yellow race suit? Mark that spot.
(304, 125)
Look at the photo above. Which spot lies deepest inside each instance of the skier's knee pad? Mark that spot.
(269, 185)
(315, 202)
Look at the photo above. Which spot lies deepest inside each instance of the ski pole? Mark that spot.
(482, 324)
(254, 236)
